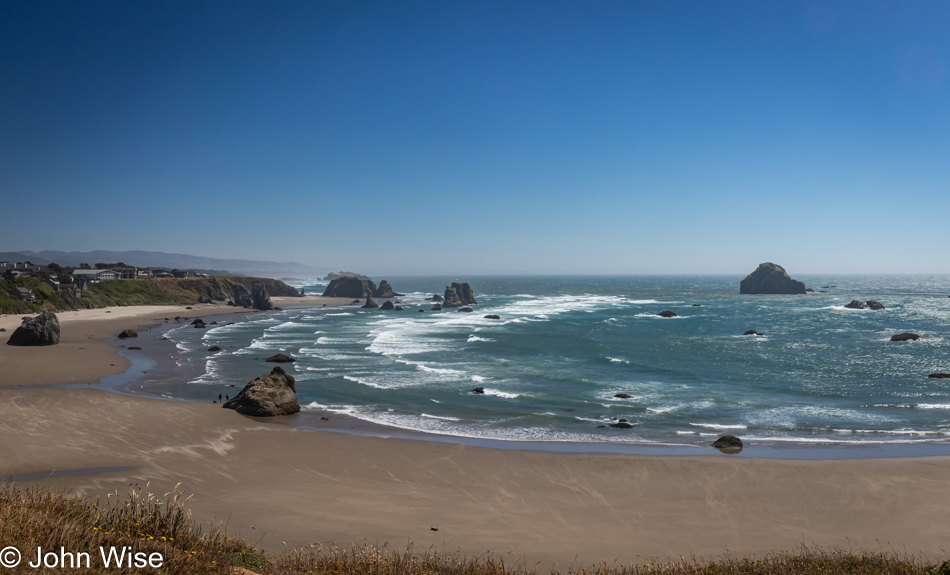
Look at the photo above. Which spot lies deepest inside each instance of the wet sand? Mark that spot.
(272, 482)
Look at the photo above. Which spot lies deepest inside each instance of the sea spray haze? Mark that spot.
(564, 347)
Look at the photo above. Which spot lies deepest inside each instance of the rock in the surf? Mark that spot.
(770, 278)
(666, 313)
(492, 316)
(260, 299)
(387, 305)
(127, 333)
(280, 358)
(370, 304)
(272, 394)
(349, 286)
(752, 332)
(939, 376)
(40, 330)
(728, 442)
(479, 391)
(459, 294)
(385, 290)
(622, 424)
(905, 337)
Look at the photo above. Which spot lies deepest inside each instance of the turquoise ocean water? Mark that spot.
(564, 346)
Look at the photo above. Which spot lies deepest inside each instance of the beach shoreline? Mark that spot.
(276, 481)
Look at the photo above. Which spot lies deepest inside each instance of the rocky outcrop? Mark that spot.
(398, 308)
(241, 297)
(492, 316)
(214, 348)
(280, 358)
(128, 333)
(337, 275)
(350, 287)
(622, 424)
(385, 290)
(260, 298)
(205, 299)
(752, 332)
(666, 313)
(437, 307)
(622, 395)
(465, 309)
(40, 330)
(479, 391)
(728, 444)
(436, 297)
(370, 304)
(869, 304)
(458, 295)
(272, 394)
(905, 337)
(387, 305)
(939, 376)
(770, 278)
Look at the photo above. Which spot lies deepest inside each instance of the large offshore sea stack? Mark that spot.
(350, 287)
(271, 394)
(770, 278)
(40, 330)
(260, 298)
(458, 295)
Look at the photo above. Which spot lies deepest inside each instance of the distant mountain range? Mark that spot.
(140, 258)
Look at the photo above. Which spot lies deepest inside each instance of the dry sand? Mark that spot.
(272, 483)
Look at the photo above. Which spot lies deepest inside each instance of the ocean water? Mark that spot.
(565, 346)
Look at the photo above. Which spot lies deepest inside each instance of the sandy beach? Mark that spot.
(272, 484)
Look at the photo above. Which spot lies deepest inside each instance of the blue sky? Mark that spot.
(482, 137)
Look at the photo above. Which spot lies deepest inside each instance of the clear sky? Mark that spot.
(482, 137)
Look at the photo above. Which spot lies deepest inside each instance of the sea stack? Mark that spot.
(271, 394)
(385, 291)
(351, 287)
(458, 295)
(770, 278)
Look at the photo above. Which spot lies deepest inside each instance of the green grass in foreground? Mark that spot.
(30, 518)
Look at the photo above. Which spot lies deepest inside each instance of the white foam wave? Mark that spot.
(617, 360)
(499, 393)
(474, 338)
(440, 417)
(719, 426)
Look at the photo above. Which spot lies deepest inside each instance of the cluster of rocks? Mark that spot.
(458, 295)
(867, 304)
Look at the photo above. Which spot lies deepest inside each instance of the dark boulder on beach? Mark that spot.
(939, 376)
(33, 331)
(622, 424)
(479, 391)
(905, 337)
(752, 332)
(128, 333)
(272, 394)
(666, 313)
(356, 301)
(370, 304)
(465, 309)
(387, 305)
(3, 329)
(385, 290)
(260, 298)
(214, 348)
(728, 444)
(770, 278)
(280, 358)
(492, 316)
(349, 286)
(622, 395)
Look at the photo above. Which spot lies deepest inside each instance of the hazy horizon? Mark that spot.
(538, 138)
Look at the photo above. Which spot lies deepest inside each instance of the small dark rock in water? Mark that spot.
(809, 290)
(697, 305)
(421, 310)
(197, 321)
(276, 308)
(370, 304)
(40, 330)
(479, 391)
(398, 308)
(622, 424)
(905, 337)
(199, 325)
(437, 307)
(128, 333)
(869, 304)
(622, 395)
(752, 332)
(436, 297)
(728, 442)
(874, 304)
(465, 309)
(280, 358)
(213, 323)
(133, 347)
(492, 316)
(214, 348)
(666, 313)
(939, 376)
(386, 305)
